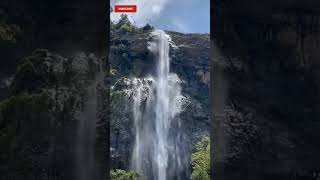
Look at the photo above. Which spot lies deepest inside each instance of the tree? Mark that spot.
(148, 27)
(200, 160)
(124, 20)
(126, 28)
(124, 24)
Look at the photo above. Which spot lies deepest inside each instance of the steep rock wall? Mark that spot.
(266, 69)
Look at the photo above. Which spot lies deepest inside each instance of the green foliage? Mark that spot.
(126, 28)
(124, 25)
(120, 48)
(201, 160)
(200, 36)
(117, 94)
(119, 174)
(124, 20)
(9, 32)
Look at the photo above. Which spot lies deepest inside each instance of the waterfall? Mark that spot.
(85, 166)
(156, 105)
(86, 138)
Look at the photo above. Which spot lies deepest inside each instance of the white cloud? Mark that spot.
(146, 9)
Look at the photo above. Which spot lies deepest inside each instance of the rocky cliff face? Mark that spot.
(266, 89)
(62, 27)
(39, 123)
(48, 95)
(130, 58)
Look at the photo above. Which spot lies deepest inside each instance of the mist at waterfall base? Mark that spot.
(159, 148)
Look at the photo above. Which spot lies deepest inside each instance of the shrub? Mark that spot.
(200, 160)
(119, 174)
(126, 28)
(124, 25)
(124, 20)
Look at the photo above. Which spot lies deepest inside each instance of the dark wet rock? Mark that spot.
(39, 121)
(266, 90)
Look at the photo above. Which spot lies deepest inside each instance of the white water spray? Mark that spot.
(157, 102)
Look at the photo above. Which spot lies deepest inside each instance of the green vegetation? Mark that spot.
(120, 48)
(124, 20)
(201, 160)
(119, 174)
(124, 24)
(9, 32)
(117, 94)
(126, 28)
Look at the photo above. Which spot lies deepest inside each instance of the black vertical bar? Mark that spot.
(218, 95)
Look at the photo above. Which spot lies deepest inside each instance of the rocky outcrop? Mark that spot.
(39, 136)
(266, 90)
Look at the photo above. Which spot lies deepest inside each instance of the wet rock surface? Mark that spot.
(266, 85)
(39, 121)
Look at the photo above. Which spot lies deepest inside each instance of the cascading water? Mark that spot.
(86, 136)
(158, 150)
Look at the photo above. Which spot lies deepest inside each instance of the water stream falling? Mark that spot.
(157, 100)
(86, 136)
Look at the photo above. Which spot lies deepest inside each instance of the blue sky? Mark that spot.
(188, 16)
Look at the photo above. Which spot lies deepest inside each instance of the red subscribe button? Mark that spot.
(125, 8)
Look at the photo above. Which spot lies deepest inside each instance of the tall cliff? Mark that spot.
(266, 89)
(53, 119)
(42, 135)
(130, 57)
